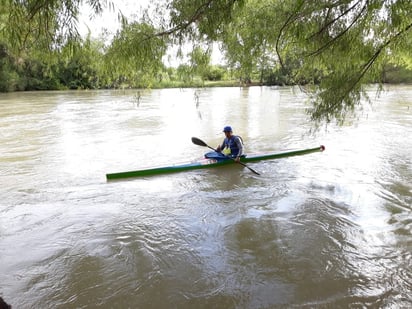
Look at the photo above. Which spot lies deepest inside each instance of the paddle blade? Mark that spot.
(198, 142)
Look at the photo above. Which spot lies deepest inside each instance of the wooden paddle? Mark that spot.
(199, 142)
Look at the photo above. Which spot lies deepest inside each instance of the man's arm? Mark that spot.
(221, 146)
(239, 145)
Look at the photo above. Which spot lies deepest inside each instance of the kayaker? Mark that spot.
(232, 144)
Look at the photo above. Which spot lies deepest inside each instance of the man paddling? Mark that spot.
(232, 144)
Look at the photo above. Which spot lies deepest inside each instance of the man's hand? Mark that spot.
(237, 159)
(218, 149)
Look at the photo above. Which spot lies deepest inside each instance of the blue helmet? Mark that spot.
(227, 129)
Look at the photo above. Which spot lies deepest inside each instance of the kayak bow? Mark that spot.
(210, 162)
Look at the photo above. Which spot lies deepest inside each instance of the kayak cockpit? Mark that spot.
(218, 156)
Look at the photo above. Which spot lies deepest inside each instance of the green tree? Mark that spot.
(214, 73)
(184, 73)
(8, 74)
(200, 61)
(81, 66)
(248, 40)
(136, 54)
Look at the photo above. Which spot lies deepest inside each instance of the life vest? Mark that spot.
(231, 148)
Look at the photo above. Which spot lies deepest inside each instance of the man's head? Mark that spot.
(228, 131)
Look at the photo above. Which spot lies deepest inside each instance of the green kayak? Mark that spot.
(211, 159)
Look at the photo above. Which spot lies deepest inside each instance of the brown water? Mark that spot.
(329, 229)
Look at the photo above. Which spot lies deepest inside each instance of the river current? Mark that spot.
(329, 230)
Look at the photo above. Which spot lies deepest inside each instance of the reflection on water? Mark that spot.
(329, 229)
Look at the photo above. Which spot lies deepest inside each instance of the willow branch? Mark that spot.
(335, 38)
(326, 26)
(368, 64)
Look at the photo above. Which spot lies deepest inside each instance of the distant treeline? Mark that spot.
(85, 69)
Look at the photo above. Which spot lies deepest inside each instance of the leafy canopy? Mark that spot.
(333, 47)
